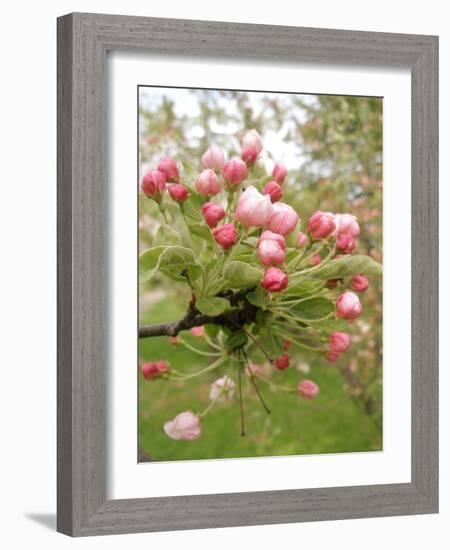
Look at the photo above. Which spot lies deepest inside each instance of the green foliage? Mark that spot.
(242, 275)
(312, 309)
(347, 266)
(211, 305)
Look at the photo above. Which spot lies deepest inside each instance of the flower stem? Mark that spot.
(209, 368)
(241, 403)
(198, 351)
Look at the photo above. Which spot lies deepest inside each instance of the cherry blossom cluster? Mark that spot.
(235, 206)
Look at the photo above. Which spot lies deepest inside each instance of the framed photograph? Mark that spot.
(247, 274)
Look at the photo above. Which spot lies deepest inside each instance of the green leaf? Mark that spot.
(211, 305)
(237, 339)
(149, 262)
(312, 309)
(348, 265)
(258, 297)
(170, 260)
(166, 235)
(212, 330)
(242, 275)
(302, 289)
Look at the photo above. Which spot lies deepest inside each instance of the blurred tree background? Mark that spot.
(332, 148)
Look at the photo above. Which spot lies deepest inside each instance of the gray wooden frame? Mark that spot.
(83, 41)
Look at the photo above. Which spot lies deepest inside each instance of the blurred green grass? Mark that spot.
(332, 423)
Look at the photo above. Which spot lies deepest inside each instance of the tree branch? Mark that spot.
(193, 318)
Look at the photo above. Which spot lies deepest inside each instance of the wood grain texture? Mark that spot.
(83, 208)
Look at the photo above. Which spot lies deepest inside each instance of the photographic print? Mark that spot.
(260, 273)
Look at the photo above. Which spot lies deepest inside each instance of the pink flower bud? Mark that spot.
(308, 389)
(279, 173)
(345, 243)
(153, 184)
(282, 362)
(255, 370)
(315, 259)
(270, 251)
(359, 283)
(252, 139)
(178, 192)
(186, 426)
(207, 183)
(346, 224)
(321, 225)
(302, 239)
(154, 369)
(213, 213)
(275, 280)
(222, 389)
(174, 340)
(339, 342)
(253, 209)
(348, 306)
(274, 190)
(249, 156)
(286, 345)
(234, 171)
(333, 356)
(225, 235)
(284, 219)
(269, 235)
(213, 158)
(198, 331)
(169, 168)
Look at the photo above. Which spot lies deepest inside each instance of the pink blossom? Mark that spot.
(252, 139)
(279, 173)
(153, 184)
(213, 158)
(253, 209)
(154, 369)
(178, 192)
(234, 171)
(315, 259)
(169, 168)
(271, 236)
(207, 183)
(198, 331)
(213, 213)
(339, 341)
(249, 156)
(225, 235)
(273, 189)
(348, 306)
(284, 219)
(321, 225)
(302, 239)
(222, 389)
(275, 280)
(185, 425)
(359, 282)
(282, 362)
(255, 370)
(271, 248)
(345, 243)
(271, 252)
(308, 389)
(347, 224)
(333, 356)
